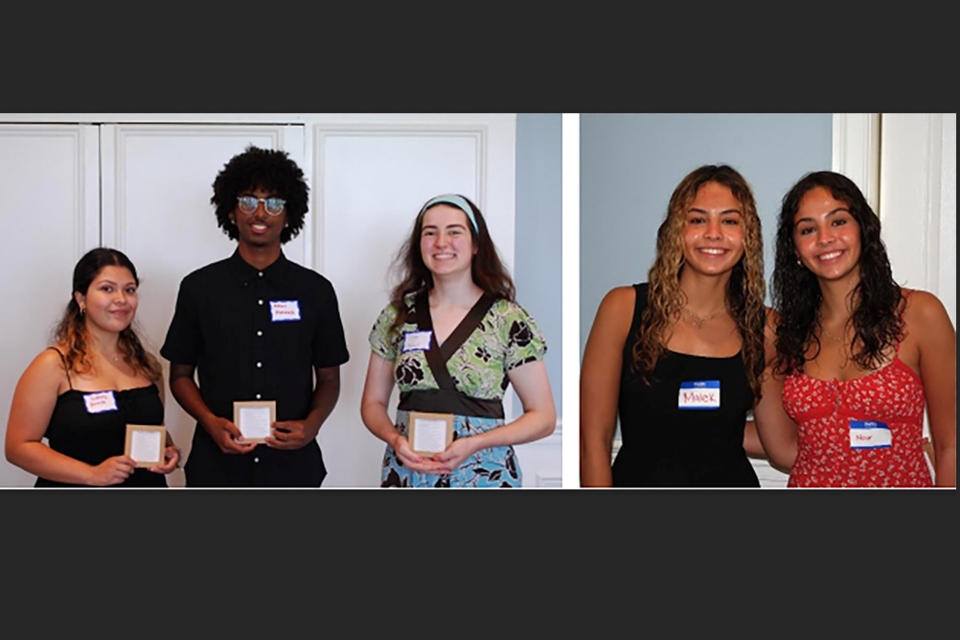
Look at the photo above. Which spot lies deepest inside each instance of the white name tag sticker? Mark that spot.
(868, 434)
(700, 394)
(417, 340)
(100, 402)
(284, 310)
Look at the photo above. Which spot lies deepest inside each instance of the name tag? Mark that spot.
(417, 341)
(100, 402)
(866, 434)
(284, 310)
(700, 394)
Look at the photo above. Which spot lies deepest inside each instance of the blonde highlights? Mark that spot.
(746, 288)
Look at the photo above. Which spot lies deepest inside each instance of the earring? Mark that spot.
(83, 310)
(799, 264)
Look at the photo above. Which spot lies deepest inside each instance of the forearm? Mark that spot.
(375, 418)
(946, 465)
(532, 425)
(595, 462)
(187, 395)
(40, 460)
(322, 403)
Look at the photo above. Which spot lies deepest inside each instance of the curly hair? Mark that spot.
(71, 331)
(486, 267)
(877, 299)
(267, 169)
(746, 288)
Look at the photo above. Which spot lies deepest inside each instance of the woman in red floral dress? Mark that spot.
(859, 356)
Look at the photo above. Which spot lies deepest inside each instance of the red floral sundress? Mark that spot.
(823, 410)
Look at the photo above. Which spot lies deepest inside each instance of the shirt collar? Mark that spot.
(245, 273)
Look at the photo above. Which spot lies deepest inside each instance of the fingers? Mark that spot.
(286, 435)
(115, 470)
(171, 457)
(232, 440)
(232, 430)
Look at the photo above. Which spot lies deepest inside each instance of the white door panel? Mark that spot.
(49, 212)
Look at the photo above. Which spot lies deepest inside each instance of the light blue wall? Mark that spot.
(537, 271)
(631, 163)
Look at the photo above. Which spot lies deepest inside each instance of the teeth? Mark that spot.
(714, 252)
(831, 255)
(443, 256)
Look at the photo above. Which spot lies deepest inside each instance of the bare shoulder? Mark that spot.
(619, 301)
(616, 309)
(924, 312)
(46, 370)
(612, 324)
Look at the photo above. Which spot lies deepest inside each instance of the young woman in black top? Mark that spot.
(681, 358)
(82, 392)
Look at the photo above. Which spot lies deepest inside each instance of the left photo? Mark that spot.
(282, 300)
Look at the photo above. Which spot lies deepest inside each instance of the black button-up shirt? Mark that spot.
(243, 350)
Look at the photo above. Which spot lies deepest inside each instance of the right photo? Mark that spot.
(767, 300)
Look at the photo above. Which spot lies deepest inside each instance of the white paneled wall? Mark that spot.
(368, 174)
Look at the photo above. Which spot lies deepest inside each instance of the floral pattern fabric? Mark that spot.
(507, 337)
(823, 410)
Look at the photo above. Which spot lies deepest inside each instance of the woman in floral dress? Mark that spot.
(453, 339)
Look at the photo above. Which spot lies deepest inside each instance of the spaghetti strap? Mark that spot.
(66, 369)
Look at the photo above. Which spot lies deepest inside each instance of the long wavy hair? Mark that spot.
(877, 299)
(72, 332)
(486, 268)
(746, 288)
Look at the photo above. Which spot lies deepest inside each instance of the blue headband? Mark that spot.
(458, 201)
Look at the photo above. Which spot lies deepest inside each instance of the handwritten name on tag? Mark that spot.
(869, 434)
(100, 402)
(699, 394)
(417, 341)
(284, 310)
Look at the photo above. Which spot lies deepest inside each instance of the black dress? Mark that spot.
(94, 437)
(666, 446)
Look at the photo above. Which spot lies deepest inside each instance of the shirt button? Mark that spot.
(258, 396)
(256, 459)
(259, 333)
(259, 364)
(259, 301)
(260, 274)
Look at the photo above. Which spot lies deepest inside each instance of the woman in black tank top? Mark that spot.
(83, 392)
(680, 359)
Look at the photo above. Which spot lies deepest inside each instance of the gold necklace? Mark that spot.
(841, 339)
(697, 321)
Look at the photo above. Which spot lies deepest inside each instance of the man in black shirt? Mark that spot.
(257, 327)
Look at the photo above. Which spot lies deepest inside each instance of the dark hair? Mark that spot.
(746, 288)
(267, 169)
(877, 299)
(486, 267)
(72, 329)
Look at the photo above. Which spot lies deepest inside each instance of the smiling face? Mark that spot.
(826, 235)
(713, 232)
(110, 302)
(258, 229)
(446, 244)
